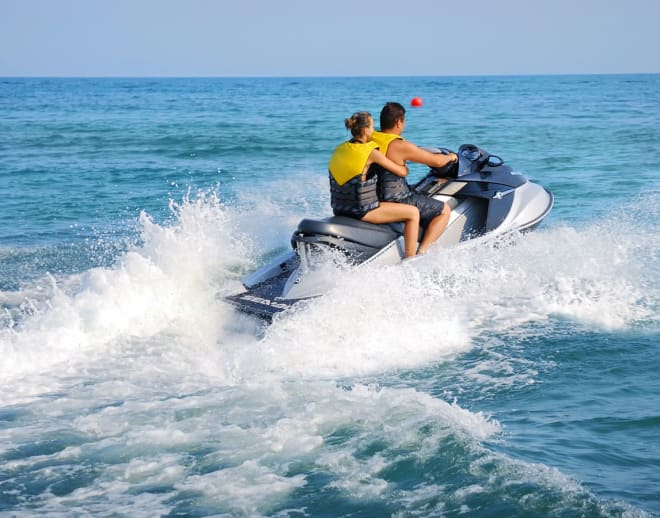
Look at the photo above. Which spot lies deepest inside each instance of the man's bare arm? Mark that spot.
(404, 150)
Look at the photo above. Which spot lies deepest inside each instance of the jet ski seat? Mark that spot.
(341, 228)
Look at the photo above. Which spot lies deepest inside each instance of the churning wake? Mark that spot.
(171, 284)
(141, 368)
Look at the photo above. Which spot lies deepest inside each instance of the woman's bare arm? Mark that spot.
(378, 158)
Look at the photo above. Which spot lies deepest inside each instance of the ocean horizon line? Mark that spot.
(319, 76)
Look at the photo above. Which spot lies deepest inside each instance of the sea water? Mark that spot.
(514, 378)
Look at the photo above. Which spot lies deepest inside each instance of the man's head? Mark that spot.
(391, 114)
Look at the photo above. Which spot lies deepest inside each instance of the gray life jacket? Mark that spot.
(355, 197)
(392, 187)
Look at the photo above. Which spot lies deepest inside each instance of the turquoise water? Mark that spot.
(518, 379)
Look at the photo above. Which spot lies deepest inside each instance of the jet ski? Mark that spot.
(487, 198)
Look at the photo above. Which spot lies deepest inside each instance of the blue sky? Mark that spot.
(329, 38)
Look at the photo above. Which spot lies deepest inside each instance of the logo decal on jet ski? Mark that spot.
(264, 302)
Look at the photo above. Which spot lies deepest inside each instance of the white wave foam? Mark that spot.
(406, 316)
(163, 286)
(246, 489)
(243, 450)
(164, 292)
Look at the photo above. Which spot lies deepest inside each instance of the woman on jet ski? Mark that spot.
(353, 190)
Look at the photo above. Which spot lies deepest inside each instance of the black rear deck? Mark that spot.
(256, 305)
(261, 301)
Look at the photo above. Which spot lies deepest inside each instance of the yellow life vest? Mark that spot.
(384, 139)
(349, 159)
(390, 186)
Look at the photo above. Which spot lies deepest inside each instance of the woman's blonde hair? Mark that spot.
(358, 122)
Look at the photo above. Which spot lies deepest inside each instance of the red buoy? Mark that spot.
(416, 101)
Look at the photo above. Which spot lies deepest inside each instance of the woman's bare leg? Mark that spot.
(389, 212)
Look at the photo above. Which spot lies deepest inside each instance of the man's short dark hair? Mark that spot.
(391, 113)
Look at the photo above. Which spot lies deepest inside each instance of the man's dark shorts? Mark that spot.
(428, 207)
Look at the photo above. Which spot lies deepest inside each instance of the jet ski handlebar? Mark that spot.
(471, 159)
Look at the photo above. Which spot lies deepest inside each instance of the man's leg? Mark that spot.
(435, 229)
